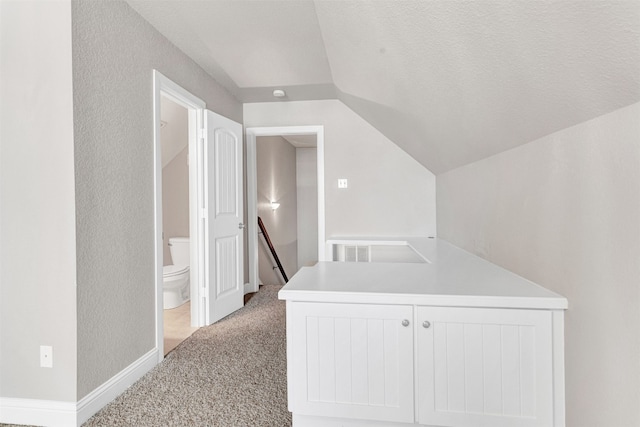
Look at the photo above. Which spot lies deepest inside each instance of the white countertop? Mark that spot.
(451, 277)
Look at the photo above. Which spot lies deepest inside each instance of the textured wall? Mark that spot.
(276, 177)
(564, 211)
(37, 247)
(389, 194)
(307, 196)
(114, 53)
(175, 201)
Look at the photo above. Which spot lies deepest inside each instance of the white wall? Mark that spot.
(389, 194)
(307, 196)
(276, 179)
(175, 201)
(37, 216)
(76, 190)
(564, 211)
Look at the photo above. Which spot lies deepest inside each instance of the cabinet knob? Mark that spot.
(426, 324)
(405, 322)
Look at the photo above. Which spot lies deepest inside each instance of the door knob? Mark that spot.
(241, 226)
(405, 322)
(426, 324)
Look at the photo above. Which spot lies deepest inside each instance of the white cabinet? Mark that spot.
(484, 367)
(351, 360)
(359, 364)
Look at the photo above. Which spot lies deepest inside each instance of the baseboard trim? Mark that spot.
(101, 396)
(52, 413)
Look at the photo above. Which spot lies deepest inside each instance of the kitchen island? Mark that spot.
(452, 341)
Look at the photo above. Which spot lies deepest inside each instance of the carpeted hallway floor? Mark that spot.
(232, 373)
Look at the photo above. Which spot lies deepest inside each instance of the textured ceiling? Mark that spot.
(450, 82)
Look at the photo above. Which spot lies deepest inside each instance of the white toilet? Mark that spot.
(175, 278)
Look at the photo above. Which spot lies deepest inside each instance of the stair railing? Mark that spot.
(264, 233)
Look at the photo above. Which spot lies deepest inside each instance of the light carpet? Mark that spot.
(232, 373)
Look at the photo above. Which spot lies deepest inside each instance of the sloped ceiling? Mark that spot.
(174, 132)
(450, 82)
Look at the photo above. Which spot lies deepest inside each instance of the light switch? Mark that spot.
(342, 183)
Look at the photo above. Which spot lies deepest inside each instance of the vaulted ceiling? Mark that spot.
(450, 82)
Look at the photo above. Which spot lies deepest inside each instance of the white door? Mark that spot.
(223, 214)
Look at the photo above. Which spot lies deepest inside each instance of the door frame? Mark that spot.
(252, 192)
(162, 86)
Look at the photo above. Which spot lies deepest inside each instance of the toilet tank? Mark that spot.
(179, 247)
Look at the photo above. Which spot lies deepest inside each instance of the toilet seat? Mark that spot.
(174, 270)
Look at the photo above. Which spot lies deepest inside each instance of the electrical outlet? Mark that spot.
(46, 356)
(342, 183)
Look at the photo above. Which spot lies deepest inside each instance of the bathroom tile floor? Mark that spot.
(177, 326)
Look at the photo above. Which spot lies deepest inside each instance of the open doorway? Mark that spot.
(287, 204)
(216, 230)
(282, 164)
(176, 295)
(176, 103)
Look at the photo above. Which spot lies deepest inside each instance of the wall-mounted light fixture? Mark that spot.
(274, 206)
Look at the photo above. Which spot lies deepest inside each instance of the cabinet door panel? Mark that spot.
(351, 361)
(484, 367)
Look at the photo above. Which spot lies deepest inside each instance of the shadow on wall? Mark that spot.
(268, 271)
(276, 178)
(174, 139)
(175, 201)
